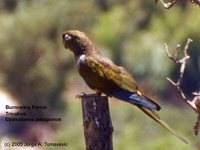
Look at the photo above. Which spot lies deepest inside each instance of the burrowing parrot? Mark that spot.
(103, 76)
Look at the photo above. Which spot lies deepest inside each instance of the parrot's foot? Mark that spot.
(85, 95)
(81, 95)
(98, 94)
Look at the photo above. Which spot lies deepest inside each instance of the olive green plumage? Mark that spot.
(103, 76)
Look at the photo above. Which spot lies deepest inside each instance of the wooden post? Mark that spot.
(97, 122)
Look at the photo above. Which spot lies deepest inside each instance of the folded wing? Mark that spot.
(126, 86)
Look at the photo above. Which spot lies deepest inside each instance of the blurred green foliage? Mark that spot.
(35, 67)
(33, 63)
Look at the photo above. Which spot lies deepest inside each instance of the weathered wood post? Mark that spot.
(97, 122)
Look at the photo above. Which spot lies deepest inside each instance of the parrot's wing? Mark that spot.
(126, 86)
(156, 117)
(131, 93)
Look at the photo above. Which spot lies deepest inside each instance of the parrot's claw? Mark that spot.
(84, 95)
(80, 95)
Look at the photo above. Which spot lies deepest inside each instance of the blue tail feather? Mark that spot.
(136, 99)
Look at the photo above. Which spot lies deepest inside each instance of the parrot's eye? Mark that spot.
(68, 37)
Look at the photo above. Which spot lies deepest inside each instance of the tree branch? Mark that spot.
(167, 5)
(195, 102)
(171, 4)
(196, 2)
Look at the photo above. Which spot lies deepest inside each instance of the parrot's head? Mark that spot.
(77, 42)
